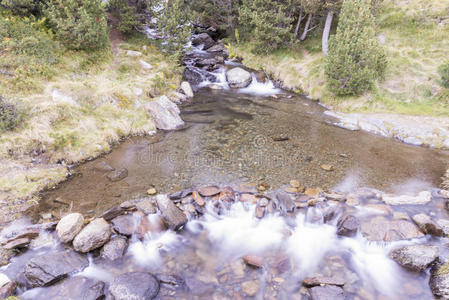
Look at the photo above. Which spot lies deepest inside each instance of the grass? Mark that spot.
(82, 105)
(416, 44)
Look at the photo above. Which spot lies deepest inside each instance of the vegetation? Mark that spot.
(444, 73)
(9, 116)
(355, 58)
(126, 14)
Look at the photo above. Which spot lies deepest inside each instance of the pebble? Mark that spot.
(250, 288)
(152, 191)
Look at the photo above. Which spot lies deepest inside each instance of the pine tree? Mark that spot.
(355, 58)
(126, 14)
(269, 22)
(79, 25)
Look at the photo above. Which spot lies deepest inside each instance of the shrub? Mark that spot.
(444, 73)
(79, 25)
(22, 7)
(9, 116)
(355, 58)
(126, 14)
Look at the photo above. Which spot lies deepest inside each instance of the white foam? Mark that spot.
(260, 88)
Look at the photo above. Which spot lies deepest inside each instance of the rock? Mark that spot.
(427, 225)
(217, 48)
(198, 199)
(151, 224)
(238, 78)
(209, 191)
(260, 211)
(164, 113)
(174, 218)
(323, 280)
(20, 233)
(209, 62)
(204, 39)
(5, 256)
(172, 280)
(347, 225)
(17, 243)
(134, 285)
(7, 288)
(152, 191)
(74, 288)
(48, 268)
(381, 208)
(103, 167)
(285, 202)
(439, 280)
(133, 53)
(112, 213)
(145, 65)
(187, 89)
(69, 226)
(146, 206)
(250, 288)
(327, 168)
(124, 224)
(422, 198)
(118, 175)
(93, 236)
(444, 194)
(227, 194)
(444, 224)
(114, 249)
(381, 229)
(250, 198)
(415, 258)
(312, 192)
(196, 76)
(253, 260)
(327, 292)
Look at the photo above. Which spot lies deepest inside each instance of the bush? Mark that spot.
(79, 25)
(9, 116)
(444, 73)
(126, 14)
(355, 58)
(22, 7)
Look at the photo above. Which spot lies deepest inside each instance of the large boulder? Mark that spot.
(238, 78)
(174, 217)
(134, 285)
(203, 39)
(165, 113)
(73, 288)
(439, 280)
(415, 258)
(48, 268)
(93, 236)
(69, 226)
(347, 225)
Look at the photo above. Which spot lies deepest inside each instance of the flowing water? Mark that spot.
(259, 134)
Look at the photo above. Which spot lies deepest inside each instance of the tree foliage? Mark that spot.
(355, 58)
(126, 14)
(22, 7)
(79, 25)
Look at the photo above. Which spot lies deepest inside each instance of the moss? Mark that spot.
(444, 269)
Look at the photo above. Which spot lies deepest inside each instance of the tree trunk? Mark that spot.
(230, 19)
(297, 26)
(326, 31)
(306, 28)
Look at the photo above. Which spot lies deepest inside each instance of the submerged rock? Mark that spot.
(439, 280)
(118, 175)
(238, 78)
(250, 288)
(93, 236)
(422, 198)
(48, 268)
(173, 216)
(134, 285)
(327, 292)
(323, 280)
(347, 225)
(165, 113)
(427, 225)
(74, 288)
(415, 258)
(69, 226)
(115, 248)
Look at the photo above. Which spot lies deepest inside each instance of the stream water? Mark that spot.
(251, 136)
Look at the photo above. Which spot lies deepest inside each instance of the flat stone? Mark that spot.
(227, 194)
(250, 198)
(17, 243)
(198, 199)
(312, 192)
(124, 224)
(146, 206)
(348, 225)
(422, 198)
(250, 288)
(327, 292)
(209, 191)
(134, 285)
(323, 280)
(118, 175)
(74, 288)
(69, 226)
(48, 268)
(115, 248)
(427, 225)
(328, 168)
(381, 229)
(174, 218)
(253, 260)
(415, 258)
(93, 236)
(103, 167)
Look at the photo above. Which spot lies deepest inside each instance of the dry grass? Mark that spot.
(77, 115)
(416, 41)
